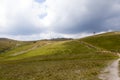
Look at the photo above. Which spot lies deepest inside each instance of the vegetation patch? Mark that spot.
(80, 59)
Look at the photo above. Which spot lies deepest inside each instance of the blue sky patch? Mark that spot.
(40, 1)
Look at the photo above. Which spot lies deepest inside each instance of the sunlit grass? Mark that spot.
(109, 41)
(62, 60)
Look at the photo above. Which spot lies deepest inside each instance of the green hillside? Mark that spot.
(7, 44)
(80, 59)
(109, 41)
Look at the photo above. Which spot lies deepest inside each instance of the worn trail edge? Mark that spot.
(111, 72)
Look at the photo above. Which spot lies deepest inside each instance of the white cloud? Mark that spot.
(64, 12)
(2, 15)
(18, 14)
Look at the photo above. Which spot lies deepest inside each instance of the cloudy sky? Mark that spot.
(40, 19)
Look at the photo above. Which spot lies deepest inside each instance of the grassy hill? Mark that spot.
(109, 41)
(80, 59)
(7, 44)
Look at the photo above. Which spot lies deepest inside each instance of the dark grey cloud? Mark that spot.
(101, 15)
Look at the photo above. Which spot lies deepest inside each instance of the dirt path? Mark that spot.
(21, 52)
(25, 51)
(111, 72)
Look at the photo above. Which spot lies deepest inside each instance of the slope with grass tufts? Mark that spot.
(109, 41)
(7, 44)
(80, 59)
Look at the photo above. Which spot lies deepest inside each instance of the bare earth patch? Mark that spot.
(111, 72)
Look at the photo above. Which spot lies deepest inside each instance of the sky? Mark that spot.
(43, 19)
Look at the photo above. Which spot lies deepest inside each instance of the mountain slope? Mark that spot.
(79, 59)
(6, 44)
(109, 41)
(9, 44)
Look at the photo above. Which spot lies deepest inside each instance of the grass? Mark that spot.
(26, 48)
(52, 70)
(85, 66)
(57, 60)
(8, 44)
(109, 41)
